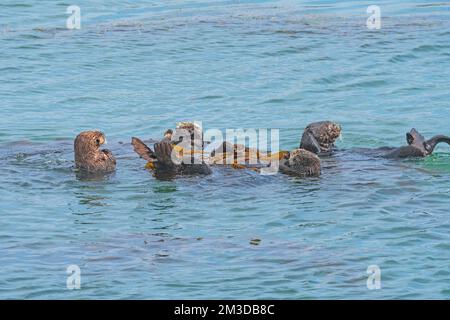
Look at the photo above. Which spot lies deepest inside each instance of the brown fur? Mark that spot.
(142, 150)
(300, 162)
(89, 157)
(161, 158)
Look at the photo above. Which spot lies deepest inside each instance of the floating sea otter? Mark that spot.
(89, 157)
(297, 162)
(300, 162)
(185, 161)
(319, 137)
(417, 146)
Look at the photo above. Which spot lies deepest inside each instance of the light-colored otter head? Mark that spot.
(192, 127)
(89, 141)
(188, 131)
(168, 134)
(319, 137)
(88, 155)
(301, 162)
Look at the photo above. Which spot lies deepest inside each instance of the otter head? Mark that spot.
(89, 141)
(319, 137)
(188, 133)
(88, 155)
(168, 134)
(300, 162)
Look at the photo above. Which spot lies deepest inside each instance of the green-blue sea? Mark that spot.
(135, 68)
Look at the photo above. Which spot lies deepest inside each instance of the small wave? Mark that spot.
(29, 36)
(438, 4)
(274, 101)
(6, 69)
(366, 84)
(211, 97)
(402, 58)
(336, 78)
(287, 51)
(375, 44)
(16, 5)
(407, 89)
(430, 48)
(80, 99)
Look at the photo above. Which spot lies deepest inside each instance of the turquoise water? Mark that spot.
(137, 67)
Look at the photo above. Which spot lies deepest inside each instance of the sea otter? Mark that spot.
(300, 162)
(178, 153)
(89, 157)
(417, 146)
(319, 137)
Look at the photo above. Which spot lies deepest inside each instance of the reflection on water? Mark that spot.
(90, 200)
(93, 176)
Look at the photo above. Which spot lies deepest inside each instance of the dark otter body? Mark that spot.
(88, 156)
(165, 164)
(417, 146)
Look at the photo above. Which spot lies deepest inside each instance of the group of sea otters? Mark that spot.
(168, 158)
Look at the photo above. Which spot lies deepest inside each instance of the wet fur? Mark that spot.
(162, 156)
(302, 163)
(89, 157)
(417, 146)
(319, 137)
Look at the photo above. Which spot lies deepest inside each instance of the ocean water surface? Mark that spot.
(135, 68)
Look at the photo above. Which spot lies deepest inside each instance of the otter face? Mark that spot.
(189, 133)
(319, 137)
(193, 128)
(90, 140)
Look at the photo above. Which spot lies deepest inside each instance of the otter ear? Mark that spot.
(409, 138)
